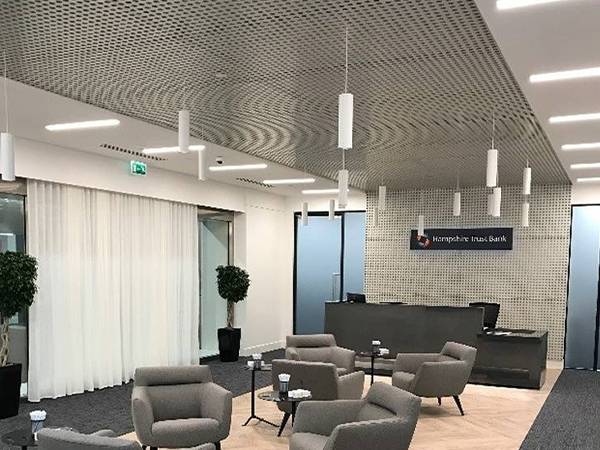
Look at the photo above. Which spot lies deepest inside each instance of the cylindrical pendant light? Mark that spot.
(343, 188)
(525, 214)
(381, 200)
(345, 118)
(376, 217)
(331, 214)
(527, 181)
(497, 201)
(305, 213)
(421, 225)
(492, 168)
(202, 165)
(7, 156)
(456, 205)
(490, 204)
(184, 131)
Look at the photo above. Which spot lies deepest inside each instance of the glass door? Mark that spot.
(581, 343)
(216, 244)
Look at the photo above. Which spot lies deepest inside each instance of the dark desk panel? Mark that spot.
(514, 360)
(402, 328)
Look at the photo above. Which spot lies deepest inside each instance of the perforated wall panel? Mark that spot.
(530, 282)
(263, 76)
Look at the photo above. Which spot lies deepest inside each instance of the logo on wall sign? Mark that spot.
(423, 241)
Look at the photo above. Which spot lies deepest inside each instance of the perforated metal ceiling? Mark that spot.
(426, 75)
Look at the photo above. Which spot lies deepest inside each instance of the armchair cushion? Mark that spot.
(321, 417)
(184, 432)
(308, 441)
(403, 380)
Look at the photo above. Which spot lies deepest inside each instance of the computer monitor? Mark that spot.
(490, 313)
(355, 298)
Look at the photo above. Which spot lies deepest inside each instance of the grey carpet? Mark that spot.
(109, 408)
(569, 417)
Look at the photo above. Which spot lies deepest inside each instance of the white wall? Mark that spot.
(263, 239)
(582, 194)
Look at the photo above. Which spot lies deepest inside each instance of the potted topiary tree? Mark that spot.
(233, 283)
(18, 273)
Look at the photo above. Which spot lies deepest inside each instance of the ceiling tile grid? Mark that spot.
(263, 76)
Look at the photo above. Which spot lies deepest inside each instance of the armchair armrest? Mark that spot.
(143, 416)
(441, 379)
(387, 433)
(216, 403)
(351, 386)
(321, 417)
(410, 362)
(105, 433)
(292, 353)
(343, 358)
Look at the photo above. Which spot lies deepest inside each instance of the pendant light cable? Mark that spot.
(5, 89)
(493, 128)
(346, 70)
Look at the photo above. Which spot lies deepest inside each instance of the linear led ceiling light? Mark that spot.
(512, 4)
(320, 191)
(588, 180)
(237, 167)
(157, 150)
(565, 75)
(575, 118)
(577, 166)
(290, 181)
(582, 146)
(83, 125)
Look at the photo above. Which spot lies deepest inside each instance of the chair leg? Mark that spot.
(457, 400)
(218, 445)
(439, 401)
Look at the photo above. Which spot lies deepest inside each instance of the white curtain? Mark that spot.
(118, 287)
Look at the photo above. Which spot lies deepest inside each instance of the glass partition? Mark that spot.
(329, 263)
(12, 238)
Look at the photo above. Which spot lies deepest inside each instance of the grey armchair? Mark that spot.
(321, 379)
(179, 407)
(385, 419)
(438, 375)
(57, 439)
(320, 348)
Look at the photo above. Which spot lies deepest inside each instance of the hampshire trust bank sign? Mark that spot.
(462, 239)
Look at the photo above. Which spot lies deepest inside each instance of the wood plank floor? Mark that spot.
(496, 418)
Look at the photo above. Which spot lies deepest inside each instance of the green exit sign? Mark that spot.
(138, 168)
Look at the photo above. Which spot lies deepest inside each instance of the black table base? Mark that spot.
(253, 415)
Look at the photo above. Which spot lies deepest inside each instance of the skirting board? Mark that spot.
(262, 348)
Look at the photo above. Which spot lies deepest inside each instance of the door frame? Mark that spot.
(342, 242)
(597, 330)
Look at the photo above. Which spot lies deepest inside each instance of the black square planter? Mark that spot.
(229, 343)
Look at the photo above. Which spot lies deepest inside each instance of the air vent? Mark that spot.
(255, 182)
(116, 148)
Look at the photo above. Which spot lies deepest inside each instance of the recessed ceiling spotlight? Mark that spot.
(82, 125)
(565, 75)
(158, 150)
(578, 166)
(575, 118)
(290, 181)
(237, 167)
(512, 4)
(588, 180)
(582, 146)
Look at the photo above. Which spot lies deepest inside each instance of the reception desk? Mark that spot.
(515, 358)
